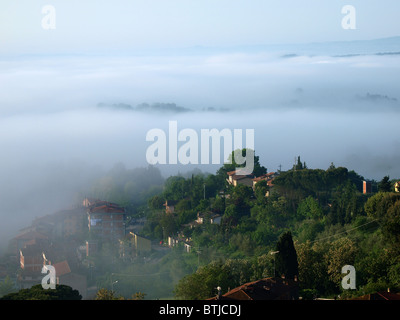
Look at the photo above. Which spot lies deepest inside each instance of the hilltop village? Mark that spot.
(221, 230)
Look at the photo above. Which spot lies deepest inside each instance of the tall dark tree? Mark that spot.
(299, 165)
(258, 169)
(385, 185)
(286, 259)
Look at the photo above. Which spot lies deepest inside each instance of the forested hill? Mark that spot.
(332, 222)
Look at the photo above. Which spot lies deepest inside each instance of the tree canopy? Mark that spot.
(36, 292)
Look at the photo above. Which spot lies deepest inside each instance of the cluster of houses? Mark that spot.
(186, 242)
(51, 240)
(234, 178)
(67, 238)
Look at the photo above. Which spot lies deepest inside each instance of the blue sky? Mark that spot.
(87, 26)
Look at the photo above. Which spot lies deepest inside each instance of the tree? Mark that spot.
(258, 169)
(299, 165)
(345, 204)
(203, 283)
(342, 252)
(138, 296)
(312, 269)
(156, 202)
(309, 208)
(260, 191)
(104, 294)
(391, 225)
(286, 258)
(61, 292)
(385, 185)
(241, 195)
(168, 224)
(7, 286)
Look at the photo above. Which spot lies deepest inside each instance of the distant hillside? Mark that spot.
(156, 108)
(381, 46)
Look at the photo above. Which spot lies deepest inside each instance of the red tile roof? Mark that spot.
(62, 268)
(264, 289)
(106, 207)
(30, 235)
(381, 295)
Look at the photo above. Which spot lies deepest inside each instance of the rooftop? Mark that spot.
(106, 207)
(264, 289)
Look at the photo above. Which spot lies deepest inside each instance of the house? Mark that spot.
(210, 217)
(397, 186)
(65, 276)
(140, 244)
(88, 202)
(381, 295)
(235, 178)
(92, 247)
(31, 258)
(264, 289)
(29, 236)
(172, 242)
(31, 264)
(170, 206)
(187, 246)
(106, 220)
(367, 187)
(186, 242)
(269, 178)
(61, 224)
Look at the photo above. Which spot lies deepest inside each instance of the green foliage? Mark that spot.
(156, 202)
(385, 206)
(61, 292)
(286, 258)
(346, 204)
(332, 224)
(104, 294)
(231, 164)
(309, 208)
(385, 185)
(203, 283)
(7, 286)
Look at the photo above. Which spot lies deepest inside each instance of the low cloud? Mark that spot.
(55, 139)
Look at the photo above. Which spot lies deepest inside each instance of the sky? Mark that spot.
(112, 26)
(286, 69)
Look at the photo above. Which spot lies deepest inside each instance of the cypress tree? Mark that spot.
(286, 258)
